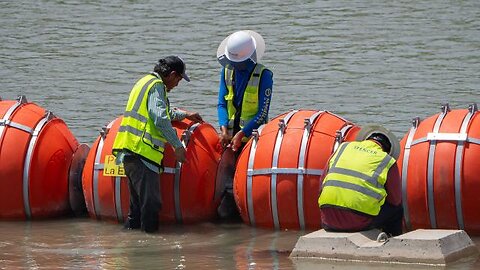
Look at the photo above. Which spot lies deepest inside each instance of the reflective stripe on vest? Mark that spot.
(250, 96)
(356, 177)
(137, 132)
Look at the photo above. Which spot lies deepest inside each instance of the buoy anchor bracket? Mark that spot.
(104, 131)
(445, 108)
(472, 108)
(281, 125)
(338, 136)
(49, 115)
(22, 99)
(186, 134)
(307, 124)
(255, 135)
(415, 122)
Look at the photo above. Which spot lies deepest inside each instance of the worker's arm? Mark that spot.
(157, 110)
(177, 114)
(222, 110)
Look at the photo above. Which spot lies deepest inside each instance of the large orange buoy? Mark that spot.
(36, 154)
(277, 180)
(187, 189)
(439, 162)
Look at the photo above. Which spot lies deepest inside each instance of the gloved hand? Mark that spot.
(180, 154)
(237, 140)
(225, 138)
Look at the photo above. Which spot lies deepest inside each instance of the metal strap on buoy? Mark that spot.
(433, 138)
(282, 126)
(472, 109)
(406, 156)
(309, 122)
(28, 160)
(34, 132)
(97, 168)
(185, 139)
(340, 136)
(274, 170)
(251, 160)
(6, 121)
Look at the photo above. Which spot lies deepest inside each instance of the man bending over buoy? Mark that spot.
(140, 142)
(361, 189)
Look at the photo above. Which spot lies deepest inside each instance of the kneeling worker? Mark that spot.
(361, 189)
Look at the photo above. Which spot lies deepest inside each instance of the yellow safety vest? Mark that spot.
(356, 177)
(137, 132)
(250, 97)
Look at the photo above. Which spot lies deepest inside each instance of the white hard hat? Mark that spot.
(241, 46)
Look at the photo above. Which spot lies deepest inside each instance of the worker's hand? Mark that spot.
(180, 154)
(237, 140)
(194, 116)
(225, 138)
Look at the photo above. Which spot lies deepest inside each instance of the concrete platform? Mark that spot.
(432, 247)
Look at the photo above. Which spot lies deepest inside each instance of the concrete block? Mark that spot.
(433, 247)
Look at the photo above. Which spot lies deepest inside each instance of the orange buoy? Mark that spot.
(439, 162)
(187, 189)
(276, 183)
(36, 153)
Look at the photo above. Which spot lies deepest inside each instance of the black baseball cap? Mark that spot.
(176, 63)
(383, 140)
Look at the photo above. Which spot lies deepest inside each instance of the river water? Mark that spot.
(381, 62)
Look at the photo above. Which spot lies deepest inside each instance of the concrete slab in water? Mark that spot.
(437, 247)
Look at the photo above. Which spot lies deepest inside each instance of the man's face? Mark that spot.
(172, 80)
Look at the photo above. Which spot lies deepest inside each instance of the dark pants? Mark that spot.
(389, 219)
(145, 201)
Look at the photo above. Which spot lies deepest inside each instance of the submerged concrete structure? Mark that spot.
(432, 247)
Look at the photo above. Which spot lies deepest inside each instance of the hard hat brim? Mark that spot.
(259, 48)
(369, 129)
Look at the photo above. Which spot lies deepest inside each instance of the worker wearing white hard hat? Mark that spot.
(245, 92)
(245, 87)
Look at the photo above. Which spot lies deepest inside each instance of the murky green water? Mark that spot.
(377, 62)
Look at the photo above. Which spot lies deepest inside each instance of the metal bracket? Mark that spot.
(186, 134)
(472, 108)
(49, 115)
(282, 125)
(22, 99)
(416, 122)
(445, 108)
(104, 132)
(307, 124)
(338, 136)
(255, 135)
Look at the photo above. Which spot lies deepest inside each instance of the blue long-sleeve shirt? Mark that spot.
(241, 80)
